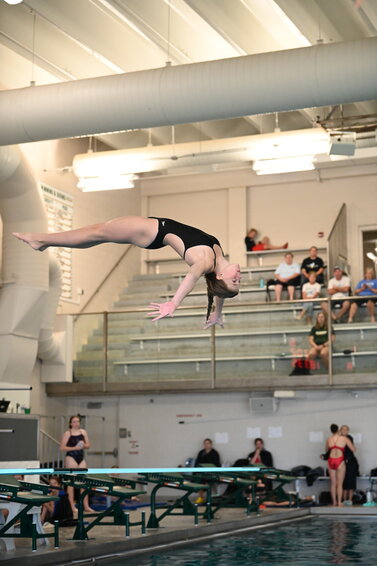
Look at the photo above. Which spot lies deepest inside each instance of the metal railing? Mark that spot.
(164, 357)
(49, 450)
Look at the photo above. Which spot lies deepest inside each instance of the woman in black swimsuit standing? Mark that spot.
(201, 251)
(73, 443)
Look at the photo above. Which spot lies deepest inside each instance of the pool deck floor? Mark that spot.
(109, 541)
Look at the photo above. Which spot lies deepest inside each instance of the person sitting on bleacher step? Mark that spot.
(287, 276)
(312, 263)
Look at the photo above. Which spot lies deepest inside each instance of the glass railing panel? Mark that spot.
(263, 344)
(355, 348)
(172, 353)
(89, 348)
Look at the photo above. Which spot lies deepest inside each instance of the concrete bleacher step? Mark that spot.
(259, 339)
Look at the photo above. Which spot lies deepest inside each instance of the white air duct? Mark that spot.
(25, 273)
(269, 82)
(48, 346)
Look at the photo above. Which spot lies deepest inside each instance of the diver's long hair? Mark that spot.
(216, 288)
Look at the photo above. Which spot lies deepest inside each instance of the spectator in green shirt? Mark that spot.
(319, 340)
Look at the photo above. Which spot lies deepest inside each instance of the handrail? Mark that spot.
(57, 442)
(254, 253)
(196, 307)
(107, 276)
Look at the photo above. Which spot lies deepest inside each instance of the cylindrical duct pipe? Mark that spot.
(48, 345)
(25, 279)
(254, 84)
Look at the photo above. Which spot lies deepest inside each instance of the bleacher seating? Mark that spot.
(260, 341)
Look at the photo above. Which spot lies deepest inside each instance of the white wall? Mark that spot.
(162, 441)
(291, 208)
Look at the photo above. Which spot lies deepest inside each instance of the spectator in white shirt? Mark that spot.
(310, 290)
(338, 288)
(287, 276)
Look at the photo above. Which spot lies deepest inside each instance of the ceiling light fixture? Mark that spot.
(13, 2)
(284, 165)
(106, 183)
(289, 151)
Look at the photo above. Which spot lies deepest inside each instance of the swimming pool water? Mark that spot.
(310, 542)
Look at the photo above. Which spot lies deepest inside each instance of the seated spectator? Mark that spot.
(338, 288)
(287, 276)
(310, 290)
(366, 289)
(260, 455)
(252, 245)
(208, 455)
(319, 340)
(312, 263)
(57, 510)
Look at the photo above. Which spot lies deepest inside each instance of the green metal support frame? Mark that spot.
(183, 503)
(15, 491)
(104, 485)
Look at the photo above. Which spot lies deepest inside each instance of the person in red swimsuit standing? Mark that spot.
(335, 446)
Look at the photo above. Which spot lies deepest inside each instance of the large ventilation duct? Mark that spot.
(48, 346)
(25, 273)
(254, 84)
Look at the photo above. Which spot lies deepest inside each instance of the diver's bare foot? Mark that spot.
(31, 240)
(285, 246)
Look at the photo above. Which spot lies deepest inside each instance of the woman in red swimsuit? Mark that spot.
(335, 446)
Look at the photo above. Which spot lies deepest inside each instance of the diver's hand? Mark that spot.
(160, 310)
(212, 320)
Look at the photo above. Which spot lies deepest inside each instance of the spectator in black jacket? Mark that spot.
(312, 263)
(208, 455)
(264, 457)
(352, 468)
(260, 455)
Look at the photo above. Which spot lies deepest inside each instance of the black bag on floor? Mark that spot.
(301, 367)
(313, 474)
(359, 497)
(300, 471)
(325, 498)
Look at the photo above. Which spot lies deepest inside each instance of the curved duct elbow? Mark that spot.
(49, 345)
(24, 272)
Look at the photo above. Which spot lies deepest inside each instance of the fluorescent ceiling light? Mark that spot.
(276, 146)
(290, 144)
(13, 2)
(285, 165)
(106, 183)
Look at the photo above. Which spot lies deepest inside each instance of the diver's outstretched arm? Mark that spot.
(160, 310)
